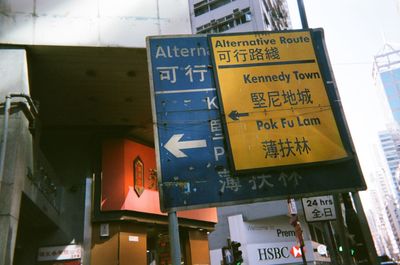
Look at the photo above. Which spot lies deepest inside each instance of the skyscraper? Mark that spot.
(387, 67)
(387, 71)
(382, 220)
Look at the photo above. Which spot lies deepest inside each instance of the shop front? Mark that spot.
(129, 227)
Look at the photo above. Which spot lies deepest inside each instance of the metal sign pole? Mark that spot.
(303, 255)
(330, 242)
(175, 246)
(292, 208)
(341, 231)
(302, 12)
(365, 229)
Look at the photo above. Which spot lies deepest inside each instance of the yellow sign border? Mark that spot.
(255, 129)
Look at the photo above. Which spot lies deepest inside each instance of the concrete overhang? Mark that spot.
(92, 89)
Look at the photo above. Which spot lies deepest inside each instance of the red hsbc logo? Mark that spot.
(296, 252)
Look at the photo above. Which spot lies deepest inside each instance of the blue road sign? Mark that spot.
(193, 169)
(190, 140)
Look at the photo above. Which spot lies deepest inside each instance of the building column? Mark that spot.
(17, 150)
(17, 161)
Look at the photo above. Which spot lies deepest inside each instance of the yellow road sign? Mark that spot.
(274, 100)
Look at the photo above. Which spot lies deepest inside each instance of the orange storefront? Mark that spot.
(128, 226)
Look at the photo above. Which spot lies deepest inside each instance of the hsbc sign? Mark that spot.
(273, 253)
(271, 241)
(278, 253)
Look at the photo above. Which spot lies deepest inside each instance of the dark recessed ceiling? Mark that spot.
(92, 88)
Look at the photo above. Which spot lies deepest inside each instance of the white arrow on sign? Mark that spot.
(174, 146)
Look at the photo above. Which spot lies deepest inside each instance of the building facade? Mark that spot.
(381, 219)
(390, 143)
(216, 16)
(263, 229)
(77, 178)
(266, 235)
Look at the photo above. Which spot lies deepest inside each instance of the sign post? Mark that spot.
(342, 232)
(330, 242)
(302, 13)
(294, 221)
(322, 209)
(366, 233)
(175, 246)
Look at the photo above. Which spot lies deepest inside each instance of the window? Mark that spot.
(200, 4)
(226, 26)
(227, 22)
(218, 3)
(205, 6)
(265, 5)
(243, 18)
(266, 21)
(247, 17)
(201, 10)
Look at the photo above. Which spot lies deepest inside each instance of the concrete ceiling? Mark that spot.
(91, 88)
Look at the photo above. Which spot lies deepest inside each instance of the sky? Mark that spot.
(355, 31)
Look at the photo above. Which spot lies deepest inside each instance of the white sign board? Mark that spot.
(272, 230)
(278, 253)
(60, 253)
(133, 239)
(321, 208)
(104, 230)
